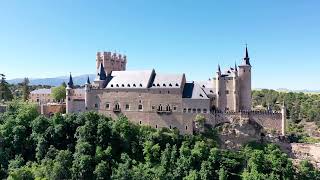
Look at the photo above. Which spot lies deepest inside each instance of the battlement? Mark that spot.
(111, 61)
(248, 112)
(107, 55)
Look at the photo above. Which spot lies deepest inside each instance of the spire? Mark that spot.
(70, 83)
(102, 73)
(235, 66)
(247, 54)
(88, 81)
(246, 59)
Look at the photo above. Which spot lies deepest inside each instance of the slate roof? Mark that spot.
(41, 91)
(193, 91)
(167, 81)
(130, 79)
(207, 86)
(144, 79)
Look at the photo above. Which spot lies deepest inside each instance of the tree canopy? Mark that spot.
(91, 146)
(58, 93)
(5, 92)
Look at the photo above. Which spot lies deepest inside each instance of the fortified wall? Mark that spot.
(271, 122)
(51, 109)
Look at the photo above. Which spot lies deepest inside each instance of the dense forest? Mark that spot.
(92, 146)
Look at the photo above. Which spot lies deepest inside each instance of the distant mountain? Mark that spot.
(56, 81)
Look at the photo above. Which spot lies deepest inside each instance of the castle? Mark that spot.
(169, 100)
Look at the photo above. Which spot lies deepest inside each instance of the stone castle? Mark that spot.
(169, 100)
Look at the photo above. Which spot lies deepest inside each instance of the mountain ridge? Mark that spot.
(55, 81)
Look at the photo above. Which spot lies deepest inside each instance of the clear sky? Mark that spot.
(52, 38)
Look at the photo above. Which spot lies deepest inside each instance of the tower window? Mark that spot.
(186, 127)
(174, 108)
(140, 107)
(168, 108)
(107, 106)
(160, 108)
(127, 106)
(156, 126)
(139, 122)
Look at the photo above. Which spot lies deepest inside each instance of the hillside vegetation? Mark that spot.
(92, 146)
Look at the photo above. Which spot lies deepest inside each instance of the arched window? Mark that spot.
(140, 107)
(168, 108)
(160, 107)
(117, 106)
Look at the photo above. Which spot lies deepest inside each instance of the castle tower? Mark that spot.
(69, 95)
(221, 91)
(235, 89)
(101, 78)
(87, 88)
(283, 119)
(111, 62)
(245, 83)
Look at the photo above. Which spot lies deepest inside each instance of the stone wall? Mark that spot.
(50, 109)
(270, 122)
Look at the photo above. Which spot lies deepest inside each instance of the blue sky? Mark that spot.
(52, 38)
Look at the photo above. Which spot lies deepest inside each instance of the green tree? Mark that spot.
(58, 93)
(199, 122)
(25, 89)
(5, 93)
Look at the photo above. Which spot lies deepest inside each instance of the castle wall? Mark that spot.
(105, 100)
(50, 109)
(269, 121)
(230, 89)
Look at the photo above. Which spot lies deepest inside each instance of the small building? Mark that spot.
(41, 96)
